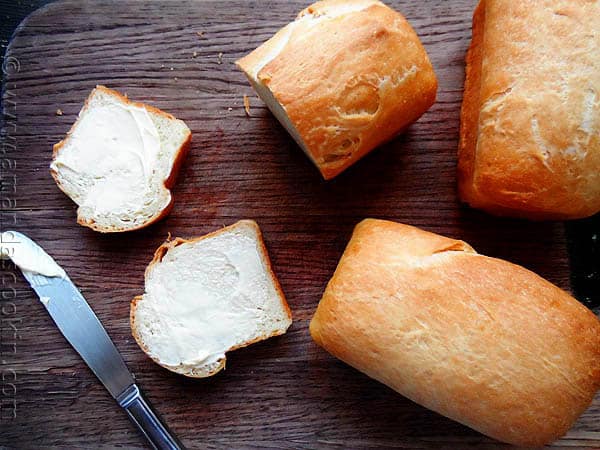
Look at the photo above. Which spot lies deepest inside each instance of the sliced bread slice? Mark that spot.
(119, 161)
(207, 296)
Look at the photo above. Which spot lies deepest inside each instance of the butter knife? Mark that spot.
(82, 329)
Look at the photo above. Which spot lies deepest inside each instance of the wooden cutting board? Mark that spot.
(283, 393)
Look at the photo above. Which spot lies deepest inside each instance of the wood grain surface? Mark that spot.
(283, 393)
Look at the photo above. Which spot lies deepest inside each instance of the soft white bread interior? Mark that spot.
(343, 78)
(119, 161)
(477, 339)
(207, 296)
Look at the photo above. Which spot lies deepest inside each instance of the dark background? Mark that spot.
(583, 235)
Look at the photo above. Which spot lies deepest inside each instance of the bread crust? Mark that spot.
(530, 120)
(158, 256)
(477, 339)
(169, 182)
(348, 84)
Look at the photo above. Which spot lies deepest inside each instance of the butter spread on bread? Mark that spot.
(343, 78)
(119, 161)
(207, 296)
(530, 126)
(28, 256)
(477, 339)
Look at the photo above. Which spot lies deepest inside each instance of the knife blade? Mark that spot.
(82, 329)
(80, 326)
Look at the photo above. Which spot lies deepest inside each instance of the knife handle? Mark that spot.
(147, 421)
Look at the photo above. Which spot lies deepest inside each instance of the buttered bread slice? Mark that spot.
(207, 296)
(119, 161)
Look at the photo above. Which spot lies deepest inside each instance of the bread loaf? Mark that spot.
(477, 339)
(343, 78)
(530, 122)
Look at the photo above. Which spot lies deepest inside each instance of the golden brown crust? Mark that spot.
(530, 123)
(477, 339)
(180, 156)
(470, 106)
(350, 74)
(157, 258)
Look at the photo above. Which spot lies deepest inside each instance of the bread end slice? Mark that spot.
(119, 161)
(207, 296)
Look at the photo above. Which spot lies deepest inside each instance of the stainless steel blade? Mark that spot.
(80, 326)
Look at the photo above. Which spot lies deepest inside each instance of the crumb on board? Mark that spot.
(230, 109)
(194, 54)
(59, 112)
(247, 105)
(199, 33)
(220, 58)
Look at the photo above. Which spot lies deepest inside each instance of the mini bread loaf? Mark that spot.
(343, 78)
(477, 339)
(208, 296)
(119, 161)
(530, 125)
